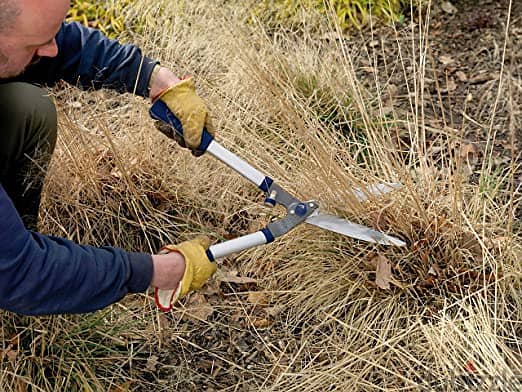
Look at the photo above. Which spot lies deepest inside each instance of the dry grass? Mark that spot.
(296, 107)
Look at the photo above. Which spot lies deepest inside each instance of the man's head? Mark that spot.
(27, 31)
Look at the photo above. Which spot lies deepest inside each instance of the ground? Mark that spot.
(464, 64)
(235, 340)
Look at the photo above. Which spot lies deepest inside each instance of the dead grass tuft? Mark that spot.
(320, 115)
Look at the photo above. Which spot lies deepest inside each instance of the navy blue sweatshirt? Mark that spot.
(42, 274)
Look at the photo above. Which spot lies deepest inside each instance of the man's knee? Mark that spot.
(28, 121)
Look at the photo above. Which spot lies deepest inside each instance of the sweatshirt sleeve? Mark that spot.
(88, 59)
(46, 275)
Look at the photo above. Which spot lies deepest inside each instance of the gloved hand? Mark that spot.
(198, 269)
(190, 110)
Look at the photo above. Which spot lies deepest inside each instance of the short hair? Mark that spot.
(9, 10)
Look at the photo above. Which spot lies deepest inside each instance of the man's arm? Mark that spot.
(88, 59)
(45, 275)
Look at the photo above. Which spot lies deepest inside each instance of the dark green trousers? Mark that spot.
(28, 128)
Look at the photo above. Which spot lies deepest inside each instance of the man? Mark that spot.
(42, 274)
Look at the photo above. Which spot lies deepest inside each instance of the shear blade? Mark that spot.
(361, 194)
(354, 230)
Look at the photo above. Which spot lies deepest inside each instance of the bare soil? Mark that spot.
(469, 56)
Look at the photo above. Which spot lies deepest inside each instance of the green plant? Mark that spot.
(105, 17)
(350, 13)
(70, 353)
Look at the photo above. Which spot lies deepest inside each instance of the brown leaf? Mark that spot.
(198, 307)
(471, 242)
(450, 86)
(369, 70)
(378, 219)
(483, 77)
(446, 60)
(461, 76)
(383, 272)
(468, 150)
(231, 277)
(152, 362)
(205, 364)
(10, 353)
(448, 8)
(257, 298)
(21, 386)
(125, 387)
(435, 270)
(274, 311)
(425, 256)
(211, 288)
(428, 283)
(259, 322)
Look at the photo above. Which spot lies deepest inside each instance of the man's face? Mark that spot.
(31, 36)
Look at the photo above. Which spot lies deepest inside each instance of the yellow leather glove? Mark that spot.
(198, 269)
(190, 110)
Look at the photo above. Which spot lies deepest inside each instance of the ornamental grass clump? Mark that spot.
(321, 117)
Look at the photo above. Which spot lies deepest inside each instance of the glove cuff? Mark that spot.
(185, 80)
(188, 275)
(165, 299)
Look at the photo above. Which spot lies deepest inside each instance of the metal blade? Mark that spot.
(354, 230)
(375, 190)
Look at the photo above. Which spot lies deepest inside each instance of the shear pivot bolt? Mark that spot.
(300, 209)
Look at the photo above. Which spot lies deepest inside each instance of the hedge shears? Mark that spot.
(297, 211)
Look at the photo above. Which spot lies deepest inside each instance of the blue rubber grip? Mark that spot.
(210, 255)
(266, 184)
(160, 111)
(268, 235)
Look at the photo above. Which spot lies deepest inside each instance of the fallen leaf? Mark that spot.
(470, 367)
(9, 353)
(369, 70)
(461, 76)
(152, 362)
(210, 288)
(450, 86)
(21, 386)
(116, 173)
(198, 307)
(257, 298)
(383, 272)
(231, 277)
(378, 219)
(435, 270)
(205, 364)
(75, 104)
(483, 77)
(125, 387)
(428, 283)
(274, 311)
(259, 322)
(448, 8)
(446, 60)
(468, 150)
